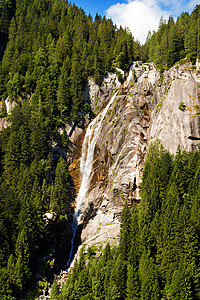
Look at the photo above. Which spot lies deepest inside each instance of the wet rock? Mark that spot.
(49, 216)
(142, 102)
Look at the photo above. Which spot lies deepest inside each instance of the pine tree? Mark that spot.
(97, 283)
(5, 290)
(54, 291)
(64, 96)
(76, 85)
(107, 255)
(133, 285)
(155, 177)
(150, 288)
(125, 241)
(60, 197)
(21, 270)
(118, 279)
(84, 282)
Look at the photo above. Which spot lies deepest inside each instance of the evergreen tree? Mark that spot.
(125, 241)
(117, 286)
(150, 288)
(133, 286)
(54, 291)
(60, 196)
(64, 96)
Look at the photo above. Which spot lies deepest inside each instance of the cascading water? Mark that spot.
(129, 75)
(86, 162)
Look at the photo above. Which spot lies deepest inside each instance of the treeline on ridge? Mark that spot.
(53, 47)
(174, 40)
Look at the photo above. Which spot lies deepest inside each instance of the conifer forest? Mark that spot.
(48, 50)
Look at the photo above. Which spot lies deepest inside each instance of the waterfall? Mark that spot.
(129, 75)
(86, 162)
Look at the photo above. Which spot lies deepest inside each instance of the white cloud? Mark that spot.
(192, 4)
(177, 7)
(144, 15)
(139, 16)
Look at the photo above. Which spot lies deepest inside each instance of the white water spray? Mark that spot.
(86, 162)
(129, 75)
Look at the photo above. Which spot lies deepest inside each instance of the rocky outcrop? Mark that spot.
(3, 124)
(170, 125)
(119, 158)
(145, 109)
(96, 95)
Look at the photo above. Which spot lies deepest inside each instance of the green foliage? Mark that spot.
(133, 285)
(125, 242)
(7, 10)
(54, 291)
(27, 189)
(156, 176)
(54, 61)
(60, 196)
(182, 106)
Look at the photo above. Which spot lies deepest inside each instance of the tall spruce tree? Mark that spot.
(125, 229)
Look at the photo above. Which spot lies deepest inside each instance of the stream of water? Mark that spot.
(129, 76)
(86, 162)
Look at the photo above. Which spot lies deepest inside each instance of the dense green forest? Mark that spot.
(29, 187)
(159, 251)
(48, 49)
(53, 47)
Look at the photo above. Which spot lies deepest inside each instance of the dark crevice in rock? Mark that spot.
(193, 138)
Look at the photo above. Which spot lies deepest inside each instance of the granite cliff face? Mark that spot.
(170, 125)
(146, 108)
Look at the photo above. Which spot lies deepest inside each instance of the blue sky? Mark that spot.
(95, 6)
(139, 15)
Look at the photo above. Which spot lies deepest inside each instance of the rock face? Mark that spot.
(96, 95)
(146, 108)
(170, 125)
(3, 124)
